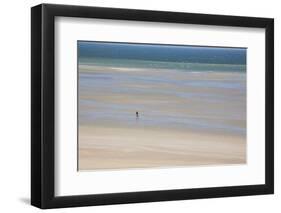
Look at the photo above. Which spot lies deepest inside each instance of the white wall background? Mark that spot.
(15, 105)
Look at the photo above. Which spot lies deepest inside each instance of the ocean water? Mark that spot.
(168, 92)
(163, 53)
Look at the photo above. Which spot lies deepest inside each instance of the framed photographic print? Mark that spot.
(140, 106)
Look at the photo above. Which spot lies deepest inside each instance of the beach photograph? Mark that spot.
(144, 106)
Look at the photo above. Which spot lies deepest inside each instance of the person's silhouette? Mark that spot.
(137, 114)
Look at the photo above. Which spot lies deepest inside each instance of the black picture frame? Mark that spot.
(43, 105)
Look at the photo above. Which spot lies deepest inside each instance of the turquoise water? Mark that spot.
(163, 53)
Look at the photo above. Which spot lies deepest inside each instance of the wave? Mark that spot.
(141, 64)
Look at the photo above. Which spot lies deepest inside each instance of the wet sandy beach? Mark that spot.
(185, 118)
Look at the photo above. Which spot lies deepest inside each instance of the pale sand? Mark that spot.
(120, 148)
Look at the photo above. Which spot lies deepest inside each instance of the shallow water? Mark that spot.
(197, 98)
